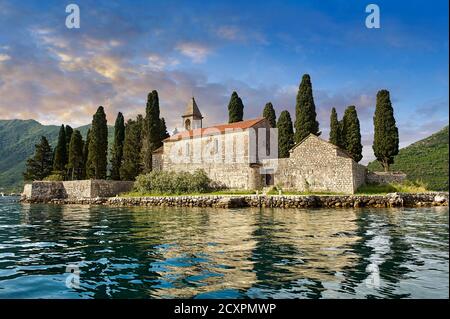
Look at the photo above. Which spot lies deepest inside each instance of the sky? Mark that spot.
(208, 49)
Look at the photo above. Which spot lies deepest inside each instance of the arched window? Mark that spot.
(187, 124)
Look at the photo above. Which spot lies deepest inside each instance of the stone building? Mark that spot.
(228, 153)
(317, 165)
(244, 155)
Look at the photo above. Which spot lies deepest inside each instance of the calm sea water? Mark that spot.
(218, 253)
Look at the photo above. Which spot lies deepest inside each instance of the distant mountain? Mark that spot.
(425, 160)
(17, 140)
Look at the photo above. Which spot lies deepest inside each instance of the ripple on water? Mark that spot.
(204, 253)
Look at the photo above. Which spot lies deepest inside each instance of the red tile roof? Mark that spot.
(199, 132)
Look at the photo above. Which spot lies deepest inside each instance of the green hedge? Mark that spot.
(163, 182)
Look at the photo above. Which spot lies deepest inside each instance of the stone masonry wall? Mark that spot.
(47, 190)
(316, 165)
(385, 177)
(229, 165)
(272, 201)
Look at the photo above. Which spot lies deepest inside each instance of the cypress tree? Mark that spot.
(69, 132)
(151, 130)
(235, 108)
(98, 146)
(86, 164)
(335, 129)
(40, 165)
(385, 142)
(75, 164)
(131, 161)
(351, 133)
(117, 149)
(60, 160)
(305, 111)
(163, 130)
(269, 114)
(285, 134)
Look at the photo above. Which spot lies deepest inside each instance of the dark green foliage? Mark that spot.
(305, 111)
(151, 131)
(131, 160)
(351, 134)
(235, 109)
(41, 164)
(425, 161)
(69, 131)
(75, 165)
(86, 164)
(269, 114)
(335, 129)
(163, 130)
(385, 140)
(60, 160)
(117, 149)
(98, 146)
(285, 134)
(169, 182)
(17, 143)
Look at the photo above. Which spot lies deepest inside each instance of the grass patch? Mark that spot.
(405, 187)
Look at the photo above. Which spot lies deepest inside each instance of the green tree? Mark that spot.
(305, 111)
(335, 129)
(151, 130)
(235, 108)
(163, 130)
(98, 146)
(60, 160)
(75, 164)
(351, 134)
(69, 131)
(385, 142)
(131, 161)
(86, 164)
(40, 165)
(117, 149)
(285, 134)
(269, 114)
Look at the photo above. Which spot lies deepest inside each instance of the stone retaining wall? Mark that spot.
(385, 177)
(279, 201)
(44, 191)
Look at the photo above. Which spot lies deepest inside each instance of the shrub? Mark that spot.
(55, 177)
(163, 182)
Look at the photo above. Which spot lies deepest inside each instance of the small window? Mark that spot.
(216, 145)
(187, 149)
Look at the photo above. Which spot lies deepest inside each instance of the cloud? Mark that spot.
(4, 57)
(195, 51)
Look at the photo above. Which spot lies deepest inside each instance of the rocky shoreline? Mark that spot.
(270, 201)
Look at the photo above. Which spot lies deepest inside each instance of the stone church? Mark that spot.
(244, 155)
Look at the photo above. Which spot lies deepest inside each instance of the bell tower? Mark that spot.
(192, 118)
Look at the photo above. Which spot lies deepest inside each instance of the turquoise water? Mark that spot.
(219, 253)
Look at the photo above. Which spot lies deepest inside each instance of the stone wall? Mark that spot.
(228, 159)
(42, 191)
(317, 166)
(105, 188)
(385, 177)
(272, 201)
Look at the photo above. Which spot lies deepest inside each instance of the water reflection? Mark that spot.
(204, 253)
